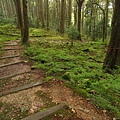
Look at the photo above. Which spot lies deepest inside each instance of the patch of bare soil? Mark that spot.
(26, 100)
(84, 109)
(19, 80)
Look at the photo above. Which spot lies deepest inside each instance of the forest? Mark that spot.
(58, 53)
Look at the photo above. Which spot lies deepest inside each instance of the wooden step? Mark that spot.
(5, 57)
(6, 44)
(13, 75)
(24, 87)
(4, 65)
(45, 113)
(10, 49)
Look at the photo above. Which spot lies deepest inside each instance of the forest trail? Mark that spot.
(24, 94)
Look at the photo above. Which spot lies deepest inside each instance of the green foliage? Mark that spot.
(1, 104)
(8, 32)
(38, 32)
(4, 20)
(72, 32)
(49, 78)
(81, 68)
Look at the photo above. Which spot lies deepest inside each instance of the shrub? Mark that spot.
(72, 32)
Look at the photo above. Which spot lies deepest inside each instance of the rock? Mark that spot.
(84, 110)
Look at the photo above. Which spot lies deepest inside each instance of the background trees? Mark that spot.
(91, 19)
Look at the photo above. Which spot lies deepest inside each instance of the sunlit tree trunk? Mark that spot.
(75, 14)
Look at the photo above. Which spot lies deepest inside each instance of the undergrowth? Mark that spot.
(8, 32)
(81, 67)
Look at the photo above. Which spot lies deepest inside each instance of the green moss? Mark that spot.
(45, 98)
(61, 114)
(10, 112)
(81, 92)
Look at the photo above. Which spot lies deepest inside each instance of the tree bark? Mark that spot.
(106, 18)
(113, 54)
(62, 19)
(79, 2)
(19, 15)
(25, 21)
(69, 12)
(47, 6)
(41, 12)
(75, 14)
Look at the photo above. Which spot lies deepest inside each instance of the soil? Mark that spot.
(41, 97)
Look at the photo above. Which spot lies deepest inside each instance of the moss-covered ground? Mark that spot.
(80, 66)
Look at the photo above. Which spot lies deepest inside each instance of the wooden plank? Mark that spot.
(17, 89)
(45, 113)
(9, 76)
(11, 49)
(4, 65)
(10, 41)
(5, 57)
(6, 44)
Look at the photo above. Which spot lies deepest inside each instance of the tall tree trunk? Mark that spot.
(106, 20)
(79, 2)
(37, 13)
(62, 19)
(75, 14)
(25, 21)
(41, 13)
(45, 10)
(13, 7)
(4, 9)
(19, 15)
(69, 12)
(47, 6)
(113, 54)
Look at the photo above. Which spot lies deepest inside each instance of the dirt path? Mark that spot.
(15, 72)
